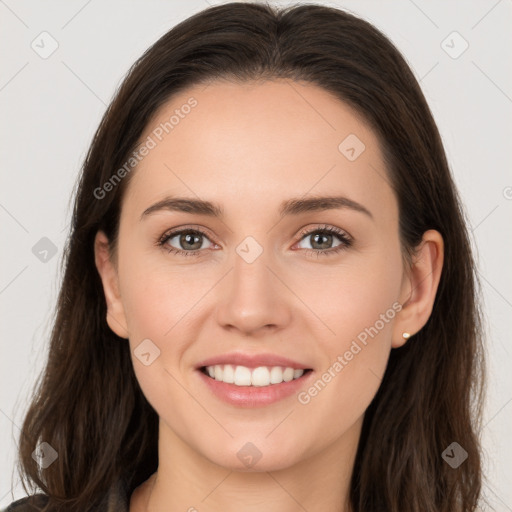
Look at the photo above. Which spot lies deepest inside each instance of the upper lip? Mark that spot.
(252, 360)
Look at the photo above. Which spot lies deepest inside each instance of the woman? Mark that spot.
(269, 300)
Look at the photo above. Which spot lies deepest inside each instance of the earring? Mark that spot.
(406, 335)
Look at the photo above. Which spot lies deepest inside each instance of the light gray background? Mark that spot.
(51, 107)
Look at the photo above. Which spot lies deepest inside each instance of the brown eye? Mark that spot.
(323, 240)
(188, 242)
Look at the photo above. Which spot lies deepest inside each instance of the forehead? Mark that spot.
(258, 143)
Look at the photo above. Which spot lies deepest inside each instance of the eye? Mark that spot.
(192, 240)
(321, 240)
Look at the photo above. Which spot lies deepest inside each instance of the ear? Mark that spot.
(419, 287)
(116, 318)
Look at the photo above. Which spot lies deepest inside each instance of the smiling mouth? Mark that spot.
(253, 377)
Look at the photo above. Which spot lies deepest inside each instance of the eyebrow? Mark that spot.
(294, 206)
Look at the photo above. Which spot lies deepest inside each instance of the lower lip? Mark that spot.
(254, 396)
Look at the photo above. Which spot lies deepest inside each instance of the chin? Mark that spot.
(254, 456)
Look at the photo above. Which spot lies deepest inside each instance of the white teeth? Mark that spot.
(229, 374)
(242, 376)
(288, 374)
(276, 375)
(297, 373)
(258, 377)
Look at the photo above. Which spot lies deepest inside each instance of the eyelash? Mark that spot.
(330, 230)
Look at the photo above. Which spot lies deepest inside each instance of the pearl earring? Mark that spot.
(406, 335)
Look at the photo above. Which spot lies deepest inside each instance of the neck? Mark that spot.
(187, 481)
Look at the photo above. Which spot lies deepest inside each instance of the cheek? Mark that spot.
(358, 306)
(355, 359)
(158, 296)
(156, 302)
(161, 302)
(353, 297)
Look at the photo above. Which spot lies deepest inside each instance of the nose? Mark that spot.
(254, 298)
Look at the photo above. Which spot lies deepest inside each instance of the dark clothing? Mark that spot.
(115, 501)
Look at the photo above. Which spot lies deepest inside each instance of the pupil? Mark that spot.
(186, 239)
(327, 236)
(189, 237)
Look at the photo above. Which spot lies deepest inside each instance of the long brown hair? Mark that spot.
(88, 405)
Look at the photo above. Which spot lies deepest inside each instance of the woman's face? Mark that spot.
(250, 281)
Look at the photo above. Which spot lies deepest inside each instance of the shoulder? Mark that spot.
(115, 500)
(28, 504)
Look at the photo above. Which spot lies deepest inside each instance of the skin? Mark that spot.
(249, 147)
